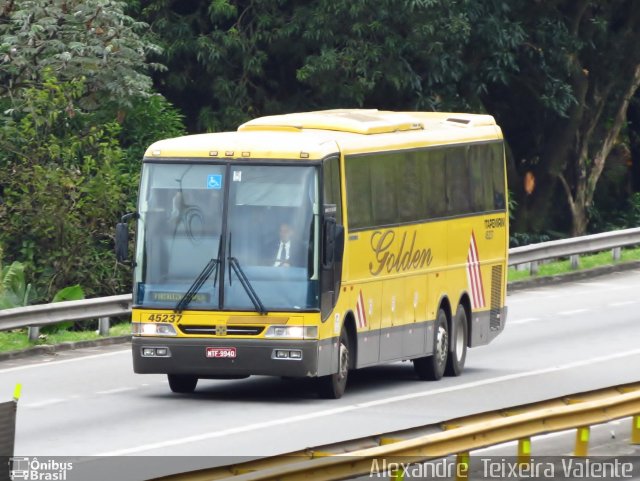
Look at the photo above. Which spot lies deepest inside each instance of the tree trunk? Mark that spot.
(591, 165)
(633, 126)
(535, 212)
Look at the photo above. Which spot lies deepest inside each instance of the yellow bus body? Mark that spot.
(395, 278)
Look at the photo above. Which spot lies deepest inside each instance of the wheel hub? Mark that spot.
(441, 345)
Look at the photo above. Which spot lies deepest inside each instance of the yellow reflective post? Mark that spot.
(582, 441)
(462, 466)
(16, 392)
(524, 451)
(635, 430)
(397, 474)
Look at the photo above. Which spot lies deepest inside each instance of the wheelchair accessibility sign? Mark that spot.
(214, 181)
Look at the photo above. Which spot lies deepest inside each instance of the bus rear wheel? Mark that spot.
(458, 348)
(181, 383)
(432, 367)
(334, 385)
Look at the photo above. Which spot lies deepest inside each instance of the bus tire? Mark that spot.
(334, 385)
(181, 383)
(458, 343)
(431, 368)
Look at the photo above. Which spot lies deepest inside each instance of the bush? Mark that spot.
(66, 177)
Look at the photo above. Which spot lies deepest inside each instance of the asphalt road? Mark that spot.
(559, 340)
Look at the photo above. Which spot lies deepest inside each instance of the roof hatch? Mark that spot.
(357, 121)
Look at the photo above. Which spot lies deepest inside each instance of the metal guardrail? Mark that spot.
(104, 307)
(457, 437)
(45, 314)
(573, 246)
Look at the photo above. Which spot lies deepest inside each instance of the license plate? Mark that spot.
(221, 352)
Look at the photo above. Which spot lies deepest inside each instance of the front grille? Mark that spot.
(496, 295)
(222, 330)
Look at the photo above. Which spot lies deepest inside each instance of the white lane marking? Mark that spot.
(48, 363)
(116, 390)
(531, 298)
(572, 312)
(524, 321)
(227, 432)
(620, 287)
(596, 284)
(621, 303)
(364, 405)
(528, 296)
(48, 402)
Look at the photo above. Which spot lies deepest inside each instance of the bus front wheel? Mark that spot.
(181, 383)
(432, 367)
(333, 385)
(458, 348)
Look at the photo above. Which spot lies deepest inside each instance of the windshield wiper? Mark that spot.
(244, 280)
(211, 266)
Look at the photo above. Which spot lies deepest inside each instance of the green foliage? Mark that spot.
(14, 290)
(626, 217)
(517, 239)
(230, 60)
(90, 39)
(563, 107)
(63, 185)
(149, 119)
(76, 113)
(77, 110)
(70, 293)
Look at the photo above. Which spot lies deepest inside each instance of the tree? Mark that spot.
(230, 60)
(73, 39)
(566, 108)
(77, 111)
(558, 75)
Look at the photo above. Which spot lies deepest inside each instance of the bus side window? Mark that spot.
(497, 174)
(433, 178)
(457, 181)
(359, 192)
(481, 178)
(383, 190)
(410, 189)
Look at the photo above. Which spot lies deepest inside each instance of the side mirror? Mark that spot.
(329, 242)
(122, 236)
(122, 241)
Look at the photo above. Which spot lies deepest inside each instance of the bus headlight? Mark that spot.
(292, 332)
(152, 329)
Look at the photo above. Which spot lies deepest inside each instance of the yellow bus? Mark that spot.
(312, 244)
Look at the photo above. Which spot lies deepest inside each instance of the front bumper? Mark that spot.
(253, 356)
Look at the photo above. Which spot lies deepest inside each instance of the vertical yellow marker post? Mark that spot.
(462, 466)
(524, 451)
(16, 392)
(582, 441)
(635, 430)
(397, 475)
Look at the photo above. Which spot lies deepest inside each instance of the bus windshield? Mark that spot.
(261, 231)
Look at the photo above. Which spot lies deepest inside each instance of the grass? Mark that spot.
(586, 262)
(18, 339)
